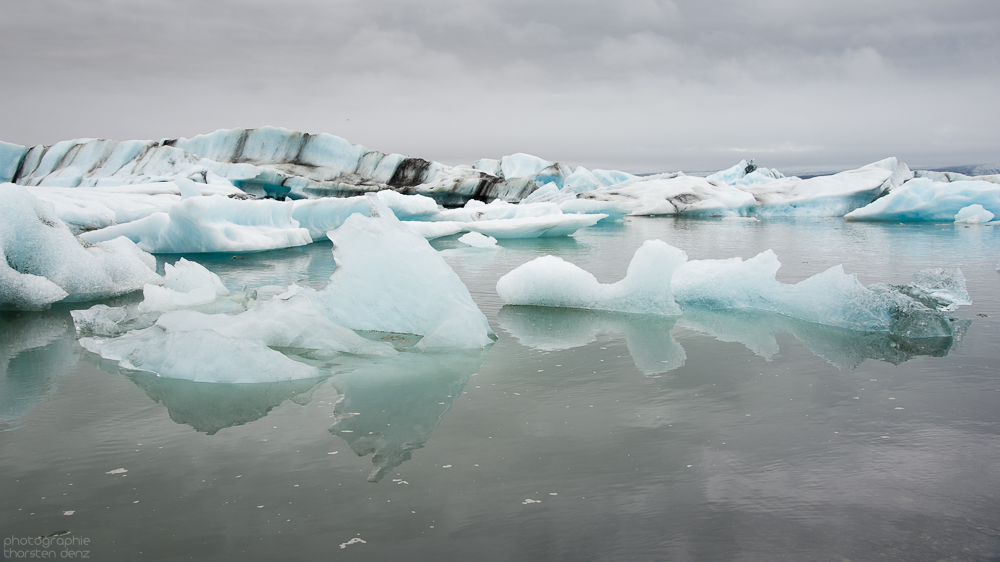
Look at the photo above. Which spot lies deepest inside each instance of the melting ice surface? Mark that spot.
(659, 276)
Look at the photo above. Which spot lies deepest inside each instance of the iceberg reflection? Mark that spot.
(209, 407)
(654, 349)
(390, 407)
(846, 349)
(36, 348)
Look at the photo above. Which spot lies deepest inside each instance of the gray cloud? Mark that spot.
(642, 85)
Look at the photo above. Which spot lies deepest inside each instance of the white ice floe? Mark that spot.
(831, 298)
(45, 263)
(411, 289)
(477, 240)
(973, 214)
(923, 199)
(550, 281)
(828, 196)
(212, 224)
(186, 284)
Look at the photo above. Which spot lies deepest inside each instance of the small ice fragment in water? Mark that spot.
(899, 408)
(259, 506)
(116, 471)
(355, 540)
(446, 466)
(553, 493)
(690, 465)
(68, 512)
(477, 240)
(332, 453)
(529, 500)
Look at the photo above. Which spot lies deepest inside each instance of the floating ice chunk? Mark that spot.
(410, 288)
(615, 210)
(44, 263)
(921, 199)
(89, 208)
(186, 284)
(320, 216)
(534, 227)
(831, 298)
(828, 196)
(212, 224)
(199, 355)
(477, 240)
(100, 320)
(942, 289)
(431, 230)
(550, 281)
(973, 214)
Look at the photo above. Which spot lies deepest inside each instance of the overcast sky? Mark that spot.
(643, 85)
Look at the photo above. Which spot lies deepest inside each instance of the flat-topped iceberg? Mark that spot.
(831, 298)
(211, 224)
(90, 208)
(44, 263)
(923, 199)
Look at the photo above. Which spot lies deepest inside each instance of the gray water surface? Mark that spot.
(578, 435)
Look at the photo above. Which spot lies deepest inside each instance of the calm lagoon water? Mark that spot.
(578, 436)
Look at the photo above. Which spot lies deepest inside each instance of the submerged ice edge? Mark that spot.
(660, 280)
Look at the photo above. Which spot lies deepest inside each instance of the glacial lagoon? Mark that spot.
(578, 435)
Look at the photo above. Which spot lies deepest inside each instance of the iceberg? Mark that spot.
(973, 214)
(388, 280)
(44, 263)
(828, 196)
(412, 289)
(659, 277)
(923, 199)
(211, 224)
(477, 240)
(90, 208)
(267, 162)
(550, 281)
